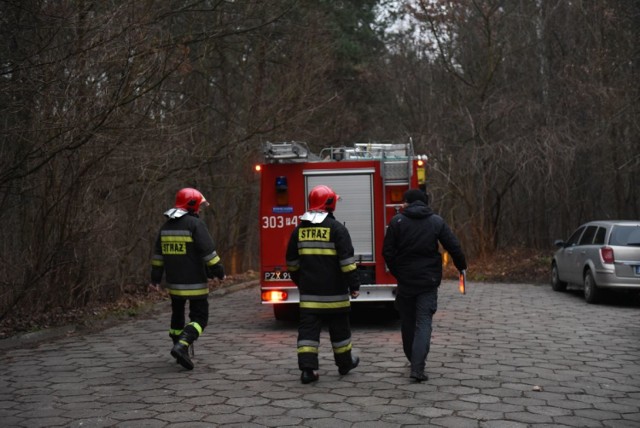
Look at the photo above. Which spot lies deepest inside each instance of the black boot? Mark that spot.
(346, 369)
(181, 349)
(180, 352)
(419, 377)
(174, 339)
(309, 376)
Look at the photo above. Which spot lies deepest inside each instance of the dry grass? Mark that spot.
(136, 301)
(513, 265)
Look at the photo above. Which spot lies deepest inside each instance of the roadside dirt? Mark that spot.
(516, 265)
(136, 301)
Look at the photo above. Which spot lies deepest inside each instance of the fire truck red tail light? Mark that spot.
(607, 254)
(274, 296)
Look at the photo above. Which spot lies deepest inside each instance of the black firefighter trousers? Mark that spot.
(309, 338)
(198, 317)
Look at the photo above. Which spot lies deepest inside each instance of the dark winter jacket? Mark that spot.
(411, 249)
(185, 252)
(320, 258)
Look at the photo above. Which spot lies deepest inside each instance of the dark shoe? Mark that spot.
(418, 377)
(309, 376)
(180, 352)
(354, 363)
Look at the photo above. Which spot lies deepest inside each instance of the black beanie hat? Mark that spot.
(413, 195)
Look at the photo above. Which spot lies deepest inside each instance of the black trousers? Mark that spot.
(416, 313)
(198, 313)
(309, 338)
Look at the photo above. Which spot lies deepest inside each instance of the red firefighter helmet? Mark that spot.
(190, 200)
(322, 198)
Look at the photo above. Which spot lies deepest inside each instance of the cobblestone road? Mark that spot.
(502, 356)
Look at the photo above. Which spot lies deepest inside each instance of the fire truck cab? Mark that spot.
(370, 178)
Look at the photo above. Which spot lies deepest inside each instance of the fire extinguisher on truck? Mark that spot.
(370, 178)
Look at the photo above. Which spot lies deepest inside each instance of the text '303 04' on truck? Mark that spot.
(370, 178)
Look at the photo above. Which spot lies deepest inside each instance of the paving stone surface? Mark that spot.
(503, 355)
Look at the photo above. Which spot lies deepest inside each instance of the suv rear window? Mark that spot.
(573, 239)
(602, 232)
(625, 235)
(587, 236)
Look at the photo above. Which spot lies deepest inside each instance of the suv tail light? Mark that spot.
(607, 254)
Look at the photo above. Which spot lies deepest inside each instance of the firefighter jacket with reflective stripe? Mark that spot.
(320, 258)
(185, 252)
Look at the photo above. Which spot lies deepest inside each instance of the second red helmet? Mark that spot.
(323, 198)
(190, 199)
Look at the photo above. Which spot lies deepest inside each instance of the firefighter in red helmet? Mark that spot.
(185, 253)
(320, 259)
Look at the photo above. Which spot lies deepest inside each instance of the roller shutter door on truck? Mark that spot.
(355, 208)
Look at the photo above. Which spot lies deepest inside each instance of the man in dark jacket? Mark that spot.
(320, 259)
(185, 253)
(411, 252)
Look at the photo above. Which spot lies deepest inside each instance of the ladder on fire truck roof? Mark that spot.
(292, 151)
(395, 158)
(295, 151)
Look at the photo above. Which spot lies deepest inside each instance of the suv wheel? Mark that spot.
(591, 290)
(556, 284)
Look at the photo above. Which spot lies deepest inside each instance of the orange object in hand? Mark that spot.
(462, 286)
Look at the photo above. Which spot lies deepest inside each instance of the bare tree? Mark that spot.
(110, 107)
(511, 99)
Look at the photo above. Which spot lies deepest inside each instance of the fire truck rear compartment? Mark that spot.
(370, 179)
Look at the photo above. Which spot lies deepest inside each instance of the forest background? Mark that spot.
(528, 111)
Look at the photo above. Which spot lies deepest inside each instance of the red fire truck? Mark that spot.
(370, 178)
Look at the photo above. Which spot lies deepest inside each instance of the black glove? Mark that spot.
(353, 281)
(216, 271)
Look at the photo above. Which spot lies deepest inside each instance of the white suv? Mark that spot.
(599, 254)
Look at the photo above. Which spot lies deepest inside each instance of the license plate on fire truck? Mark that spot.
(277, 276)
